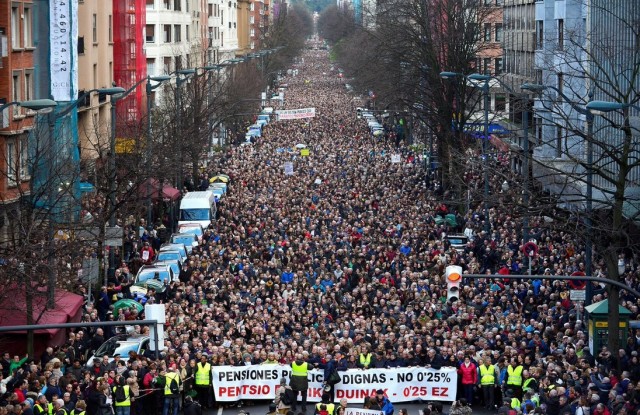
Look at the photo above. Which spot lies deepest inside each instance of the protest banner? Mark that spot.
(231, 383)
(296, 114)
(357, 411)
(288, 168)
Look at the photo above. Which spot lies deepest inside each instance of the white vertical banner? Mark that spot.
(63, 34)
(156, 312)
(288, 168)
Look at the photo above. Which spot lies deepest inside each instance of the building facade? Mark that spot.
(228, 31)
(17, 83)
(95, 64)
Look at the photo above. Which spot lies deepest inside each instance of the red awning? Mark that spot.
(170, 193)
(151, 188)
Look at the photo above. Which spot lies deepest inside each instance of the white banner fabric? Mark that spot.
(63, 32)
(231, 383)
(356, 411)
(296, 114)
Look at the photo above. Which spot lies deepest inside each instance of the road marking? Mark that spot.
(220, 410)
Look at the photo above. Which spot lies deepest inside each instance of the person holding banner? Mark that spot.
(333, 365)
(300, 380)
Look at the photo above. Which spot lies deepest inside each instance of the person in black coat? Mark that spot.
(190, 407)
(434, 360)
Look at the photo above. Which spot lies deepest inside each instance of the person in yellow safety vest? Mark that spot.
(58, 407)
(366, 359)
(514, 378)
(329, 406)
(299, 381)
(203, 381)
(123, 407)
(487, 375)
(171, 391)
(530, 383)
(41, 406)
(514, 403)
(80, 409)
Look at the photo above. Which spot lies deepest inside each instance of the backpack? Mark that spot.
(174, 387)
(288, 397)
(120, 395)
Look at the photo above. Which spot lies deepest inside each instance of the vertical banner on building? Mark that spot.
(63, 33)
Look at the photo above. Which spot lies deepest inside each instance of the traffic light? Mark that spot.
(454, 278)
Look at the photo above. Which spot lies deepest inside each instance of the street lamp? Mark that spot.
(42, 106)
(587, 112)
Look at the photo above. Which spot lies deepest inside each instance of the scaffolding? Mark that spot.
(130, 63)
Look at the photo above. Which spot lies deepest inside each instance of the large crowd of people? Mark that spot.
(342, 262)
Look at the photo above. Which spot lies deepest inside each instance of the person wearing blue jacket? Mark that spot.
(383, 403)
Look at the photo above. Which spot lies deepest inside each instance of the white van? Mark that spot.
(197, 207)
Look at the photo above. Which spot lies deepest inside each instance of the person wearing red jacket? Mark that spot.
(468, 372)
(147, 254)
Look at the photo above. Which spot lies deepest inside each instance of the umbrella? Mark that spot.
(439, 220)
(301, 145)
(219, 178)
(378, 132)
(127, 303)
(451, 220)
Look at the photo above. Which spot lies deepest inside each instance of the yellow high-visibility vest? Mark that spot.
(168, 378)
(487, 375)
(514, 375)
(203, 374)
(127, 393)
(299, 370)
(365, 359)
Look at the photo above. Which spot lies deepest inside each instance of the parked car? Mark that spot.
(175, 265)
(154, 276)
(170, 255)
(121, 344)
(175, 246)
(188, 239)
(194, 228)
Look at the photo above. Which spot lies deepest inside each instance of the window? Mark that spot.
(539, 34)
(94, 28)
(498, 66)
(150, 33)
(167, 4)
(210, 10)
(487, 32)
(178, 61)
(15, 27)
(252, 18)
(501, 102)
(253, 32)
(110, 28)
(177, 30)
(560, 86)
(151, 67)
(27, 27)
(167, 33)
(167, 64)
(487, 66)
(177, 5)
(221, 17)
(559, 141)
(498, 32)
(187, 34)
(16, 93)
(23, 160)
(81, 45)
(28, 85)
(560, 34)
(95, 75)
(150, 4)
(537, 122)
(11, 162)
(251, 7)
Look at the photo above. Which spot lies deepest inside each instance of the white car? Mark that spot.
(121, 344)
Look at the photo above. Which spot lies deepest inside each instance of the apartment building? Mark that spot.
(95, 66)
(213, 36)
(228, 30)
(258, 23)
(243, 14)
(17, 80)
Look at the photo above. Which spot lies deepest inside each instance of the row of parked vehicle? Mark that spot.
(254, 131)
(197, 210)
(374, 126)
